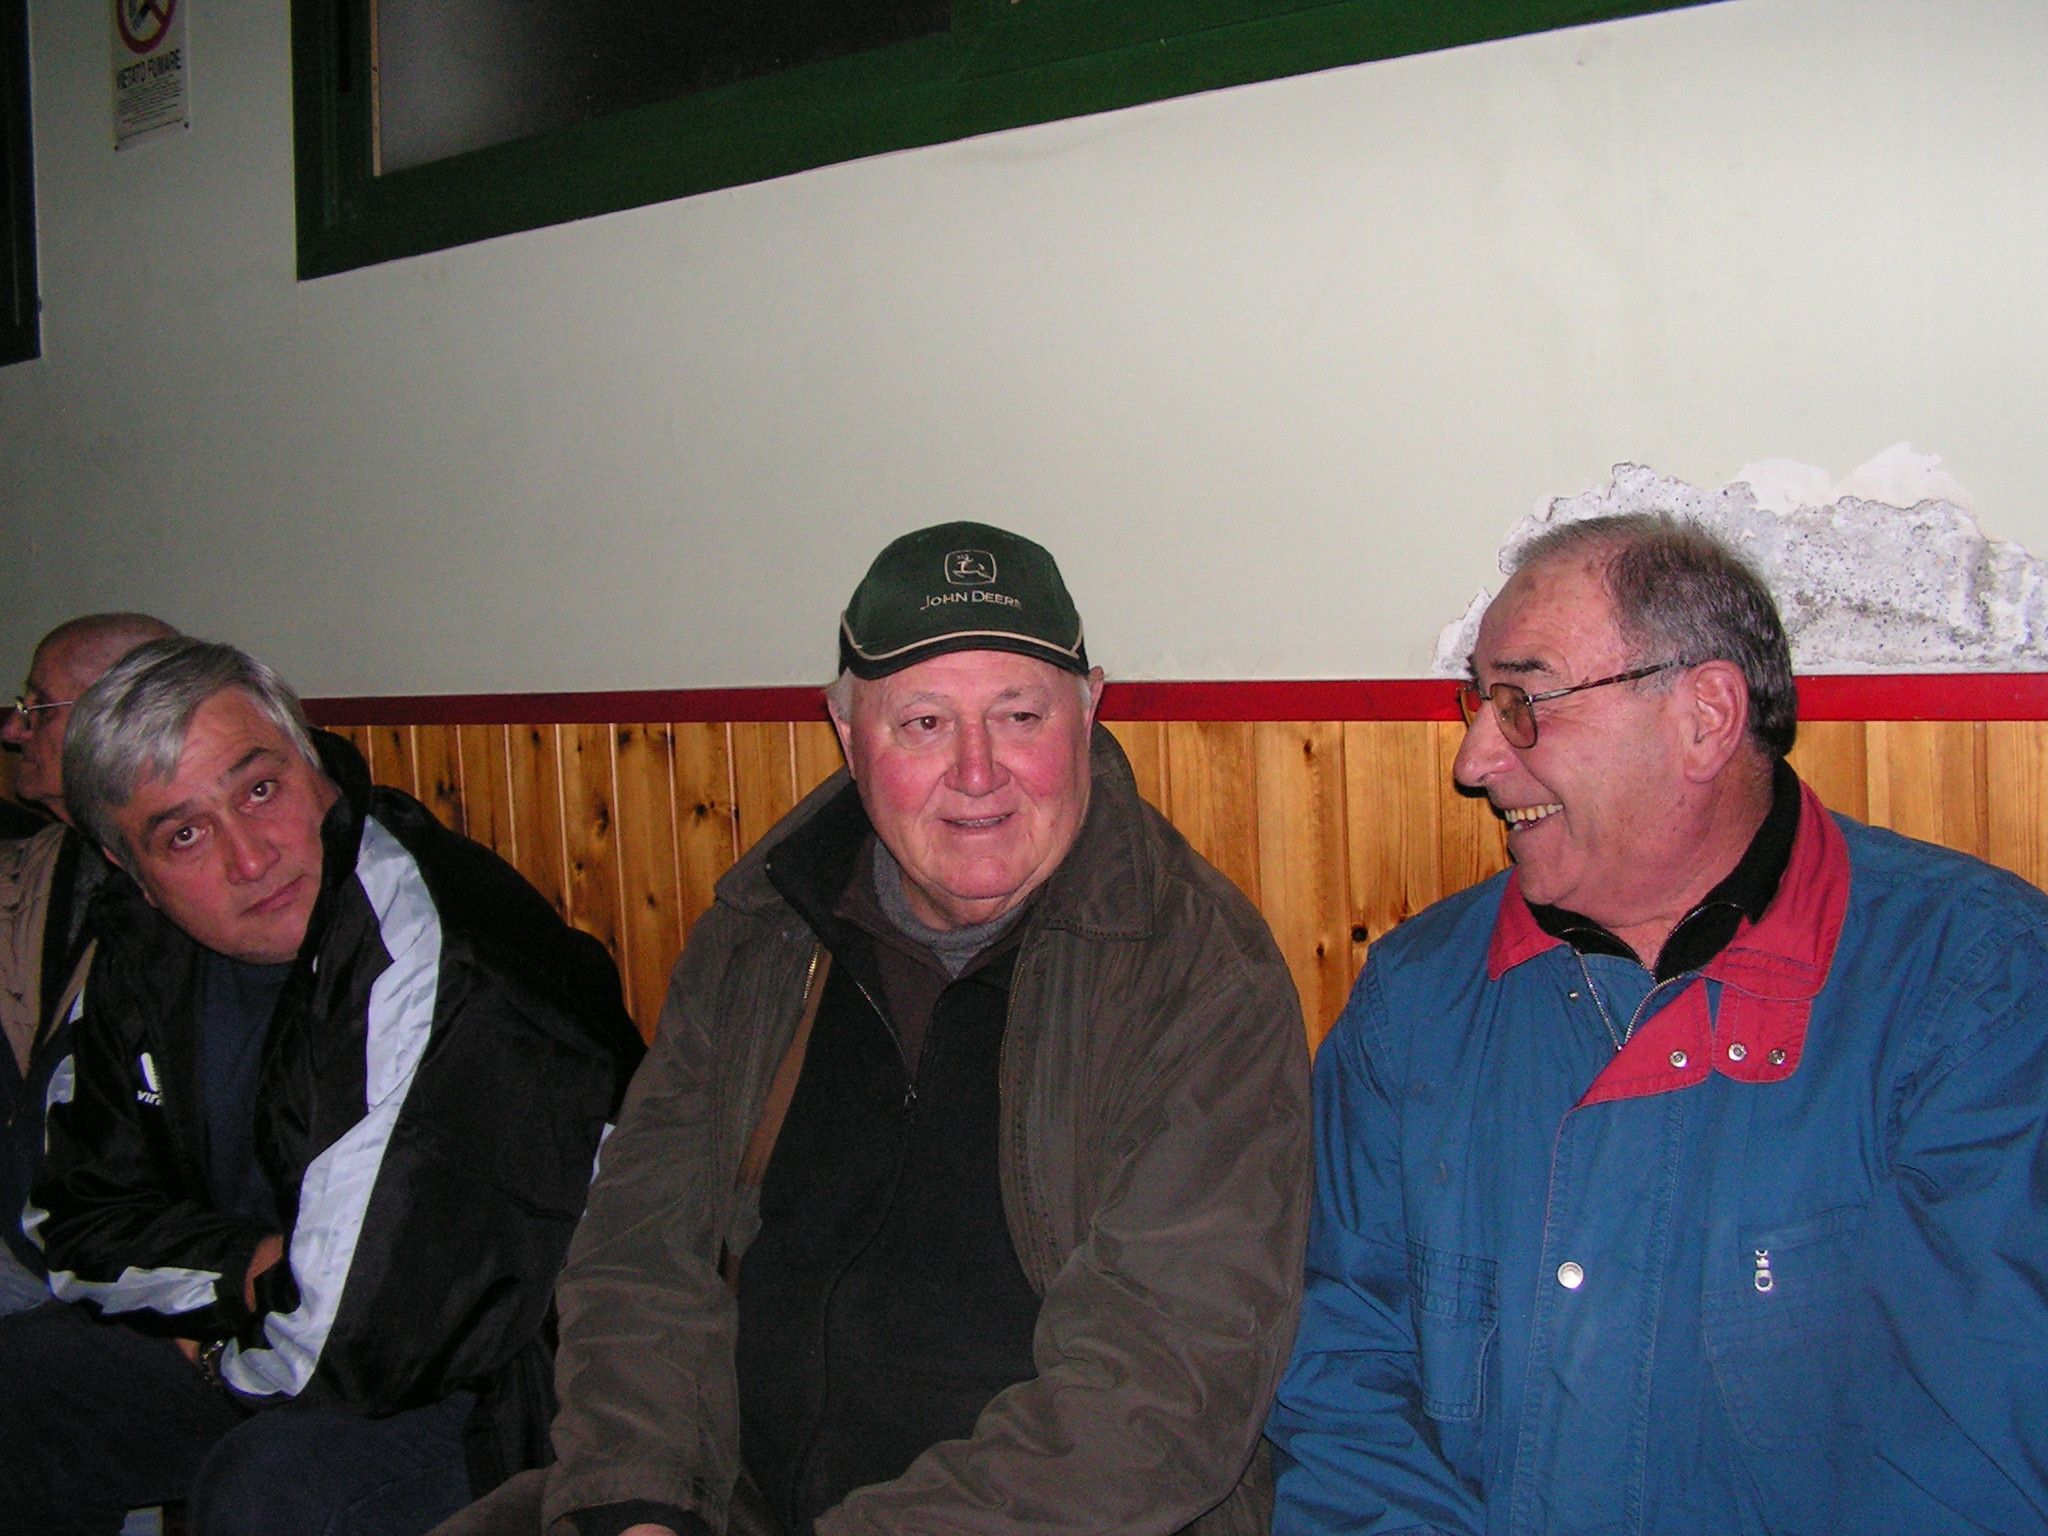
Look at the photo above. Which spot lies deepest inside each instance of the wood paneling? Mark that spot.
(1829, 755)
(705, 822)
(390, 757)
(817, 754)
(1144, 743)
(1393, 829)
(2016, 799)
(487, 787)
(437, 757)
(763, 775)
(1338, 831)
(1212, 794)
(589, 796)
(534, 776)
(649, 877)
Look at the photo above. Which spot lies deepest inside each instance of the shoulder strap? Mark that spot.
(754, 1165)
(761, 1145)
(67, 1000)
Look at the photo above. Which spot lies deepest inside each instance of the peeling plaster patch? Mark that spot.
(1886, 570)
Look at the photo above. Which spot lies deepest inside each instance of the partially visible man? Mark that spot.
(47, 881)
(965, 1187)
(1690, 1178)
(315, 1160)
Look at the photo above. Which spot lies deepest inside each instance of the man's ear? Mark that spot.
(1094, 693)
(844, 727)
(1716, 711)
(120, 860)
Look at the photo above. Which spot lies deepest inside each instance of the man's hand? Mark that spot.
(267, 1253)
(189, 1348)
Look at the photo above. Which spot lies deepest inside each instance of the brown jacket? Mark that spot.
(1155, 1171)
(33, 1008)
(27, 867)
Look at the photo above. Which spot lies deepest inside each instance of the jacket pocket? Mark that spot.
(1786, 1330)
(1454, 1309)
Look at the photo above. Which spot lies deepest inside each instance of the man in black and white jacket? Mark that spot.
(333, 1108)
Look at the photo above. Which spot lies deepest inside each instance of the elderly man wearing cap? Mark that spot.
(1025, 1254)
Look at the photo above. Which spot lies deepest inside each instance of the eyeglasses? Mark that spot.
(1515, 706)
(26, 713)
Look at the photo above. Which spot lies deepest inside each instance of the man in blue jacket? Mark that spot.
(314, 1161)
(1690, 1177)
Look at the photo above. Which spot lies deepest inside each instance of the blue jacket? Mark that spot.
(1781, 1264)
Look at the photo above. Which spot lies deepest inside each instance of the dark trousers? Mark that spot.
(96, 1418)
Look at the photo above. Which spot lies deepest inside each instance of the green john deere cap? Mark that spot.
(959, 587)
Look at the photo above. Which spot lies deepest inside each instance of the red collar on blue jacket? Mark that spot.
(1770, 973)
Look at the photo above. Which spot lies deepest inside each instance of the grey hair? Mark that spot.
(133, 721)
(839, 695)
(1678, 590)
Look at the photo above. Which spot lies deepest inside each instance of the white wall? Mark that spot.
(1271, 370)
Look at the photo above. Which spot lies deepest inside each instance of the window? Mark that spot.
(20, 333)
(423, 124)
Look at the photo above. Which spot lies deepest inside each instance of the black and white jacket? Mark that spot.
(441, 1067)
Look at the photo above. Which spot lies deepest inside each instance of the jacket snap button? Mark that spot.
(1570, 1276)
(1738, 1051)
(1777, 1058)
(1679, 1058)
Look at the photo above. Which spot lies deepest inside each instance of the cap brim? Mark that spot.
(869, 668)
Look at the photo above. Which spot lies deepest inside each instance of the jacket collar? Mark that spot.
(1746, 891)
(1105, 887)
(1768, 974)
(341, 833)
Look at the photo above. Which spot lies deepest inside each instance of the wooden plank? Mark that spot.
(1144, 743)
(1212, 793)
(1926, 780)
(487, 788)
(1971, 740)
(1393, 825)
(390, 757)
(589, 794)
(649, 879)
(437, 751)
(1829, 755)
(706, 829)
(2015, 795)
(534, 770)
(816, 746)
(1300, 768)
(1473, 844)
(763, 776)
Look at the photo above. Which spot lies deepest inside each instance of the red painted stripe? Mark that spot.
(672, 704)
(1919, 696)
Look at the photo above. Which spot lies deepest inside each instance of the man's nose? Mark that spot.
(246, 850)
(14, 730)
(1484, 752)
(974, 761)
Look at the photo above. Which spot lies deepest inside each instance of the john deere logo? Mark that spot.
(970, 568)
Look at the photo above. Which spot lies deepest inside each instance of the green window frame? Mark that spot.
(1002, 64)
(20, 326)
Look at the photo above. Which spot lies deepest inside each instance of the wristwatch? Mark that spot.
(209, 1360)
